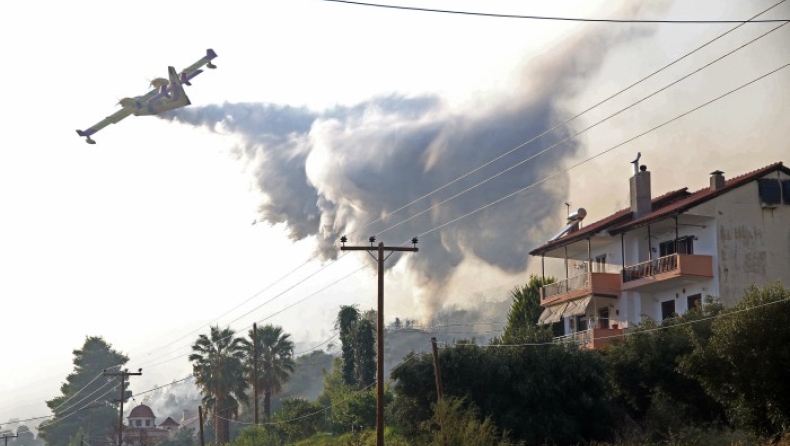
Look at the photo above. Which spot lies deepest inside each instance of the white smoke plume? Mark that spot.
(329, 173)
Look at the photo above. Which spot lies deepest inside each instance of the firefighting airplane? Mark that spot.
(166, 95)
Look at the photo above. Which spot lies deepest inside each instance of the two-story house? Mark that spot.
(664, 255)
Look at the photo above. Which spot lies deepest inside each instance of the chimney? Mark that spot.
(717, 180)
(640, 193)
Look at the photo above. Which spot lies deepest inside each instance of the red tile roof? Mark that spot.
(142, 411)
(169, 422)
(671, 203)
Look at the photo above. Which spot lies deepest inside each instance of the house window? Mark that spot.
(147, 423)
(581, 322)
(786, 191)
(685, 245)
(600, 264)
(603, 318)
(667, 309)
(138, 423)
(695, 302)
(770, 192)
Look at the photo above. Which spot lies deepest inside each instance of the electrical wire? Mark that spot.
(501, 199)
(635, 332)
(549, 18)
(741, 23)
(584, 130)
(538, 182)
(334, 404)
(752, 19)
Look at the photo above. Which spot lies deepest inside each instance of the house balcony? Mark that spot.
(593, 338)
(603, 284)
(667, 272)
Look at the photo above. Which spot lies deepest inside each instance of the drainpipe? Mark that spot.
(622, 252)
(649, 245)
(676, 235)
(566, 263)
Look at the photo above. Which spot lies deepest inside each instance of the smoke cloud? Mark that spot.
(330, 173)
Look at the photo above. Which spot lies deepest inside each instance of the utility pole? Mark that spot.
(6, 437)
(255, 368)
(379, 323)
(436, 370)
(200, 416)
(123, 375)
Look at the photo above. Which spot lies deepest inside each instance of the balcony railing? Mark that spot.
(604, 284)
(575, 283)
(592, 338)
(650, 268)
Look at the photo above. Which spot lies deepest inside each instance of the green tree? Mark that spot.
(351, 408)
(544, 394)
(455, 423)
(275, 362)
(87, 397)
(358, 346)
(346, 321)
(217, 363)
(647, 381)
(365, 333)
(745, 362)
(523, 315)
(299, 419)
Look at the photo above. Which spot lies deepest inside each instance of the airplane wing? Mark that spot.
(112, 119)
(193, 70)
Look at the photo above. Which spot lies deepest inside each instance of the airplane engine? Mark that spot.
(159, 82)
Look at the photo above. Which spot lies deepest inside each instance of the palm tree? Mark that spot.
(217, 363)
(275, 362)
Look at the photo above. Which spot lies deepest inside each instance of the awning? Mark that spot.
(576, 307)
(551, 314)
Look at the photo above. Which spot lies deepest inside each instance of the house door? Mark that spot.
(603, 318)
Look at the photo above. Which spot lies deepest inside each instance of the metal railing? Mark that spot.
(650, 268)
(580, 282)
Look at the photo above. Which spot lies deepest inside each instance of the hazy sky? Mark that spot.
(321, 119)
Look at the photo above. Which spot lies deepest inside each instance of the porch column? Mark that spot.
(543, 266)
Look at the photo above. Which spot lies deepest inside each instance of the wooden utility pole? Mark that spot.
(200, 420)
(122, 375)
(436, 370)
(255, 368)
(379, 323)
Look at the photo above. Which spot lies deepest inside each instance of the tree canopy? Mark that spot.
(87, 397)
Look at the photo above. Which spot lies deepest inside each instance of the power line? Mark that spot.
(741, 24)
(584, 130)
(538, 182)
(635, 332)
(752, 19)
(569, 120)
(549, 18)
(605, 151)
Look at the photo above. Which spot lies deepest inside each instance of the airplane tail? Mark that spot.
(210, 54)
(178, 93)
